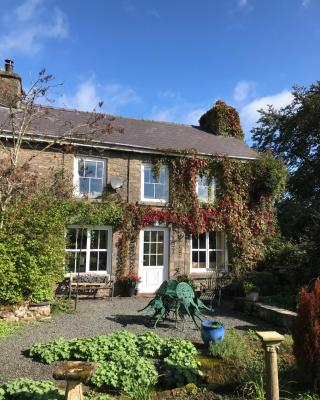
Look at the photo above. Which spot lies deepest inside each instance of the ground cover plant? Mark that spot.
(128, 363)
(6, 328)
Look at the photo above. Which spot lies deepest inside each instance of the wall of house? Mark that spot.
(127, 167)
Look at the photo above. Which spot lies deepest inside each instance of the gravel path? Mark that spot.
(97, 317)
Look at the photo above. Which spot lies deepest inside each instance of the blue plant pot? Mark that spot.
(210, 333)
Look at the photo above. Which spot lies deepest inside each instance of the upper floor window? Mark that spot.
(89, 177)
(154, 188)
(205, 188)
(208, 252)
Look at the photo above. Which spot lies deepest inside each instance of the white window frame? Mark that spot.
(208, 250)
(88, 249)
(76, 177)
(166, 199)
(213, 189)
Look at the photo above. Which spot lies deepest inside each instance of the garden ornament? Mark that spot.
(177, 298)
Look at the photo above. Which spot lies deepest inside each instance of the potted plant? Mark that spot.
(130, 283)
(251, 291)
(212, 331)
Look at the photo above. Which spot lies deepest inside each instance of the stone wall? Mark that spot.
(26, 312)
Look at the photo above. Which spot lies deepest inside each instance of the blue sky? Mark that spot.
(166, 59)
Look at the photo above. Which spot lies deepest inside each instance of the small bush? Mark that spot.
(6, 328)
(24, 388)
(234, 347)
(150, 344)
(306, 335)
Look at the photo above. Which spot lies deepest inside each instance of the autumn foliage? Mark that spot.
(306, 335)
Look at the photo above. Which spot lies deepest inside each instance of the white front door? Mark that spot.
(153, 260)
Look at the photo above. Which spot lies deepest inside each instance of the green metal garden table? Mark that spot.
(178, 299)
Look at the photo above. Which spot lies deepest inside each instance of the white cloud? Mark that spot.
(88, 94)
(249, 112)
(180, 113)
(305, 3)
(153, 13)
(192, 117)
(28, 25)
(242, 90)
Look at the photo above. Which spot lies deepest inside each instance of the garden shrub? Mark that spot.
(121, 363)
(306, 335)
(233, 347)
(150, 344)
(24, 388)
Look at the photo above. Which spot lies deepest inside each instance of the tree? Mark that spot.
(23, 111)
(293, 133)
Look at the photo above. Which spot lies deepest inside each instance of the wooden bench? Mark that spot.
(91, 286)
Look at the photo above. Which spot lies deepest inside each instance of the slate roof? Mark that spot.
(140, 135)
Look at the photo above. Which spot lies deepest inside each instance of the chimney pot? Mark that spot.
(8, 65)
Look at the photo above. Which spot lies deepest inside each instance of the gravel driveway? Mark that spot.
(97, 317)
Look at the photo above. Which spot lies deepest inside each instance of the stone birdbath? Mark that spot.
(271, 341)
(74, 373)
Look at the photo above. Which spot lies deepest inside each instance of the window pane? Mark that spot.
(100, 169)
(147, 172)
(202, 241)
(90, 169)
(103, 239)
(154, 236)
(212, 191)
(160, 236)
(195, 259)
(146, 260)
(80, 167)
(72, 238)
(220, 260)
(220, 240)
(195, 242)
(160, 192)
(82, 234)
(96, 185)
(149, 191)
(102, 263)
(84, 185)
(93, 261)
(71, 262)
(160, 260)
(162, 175)
(202, 259)
(153, 260)
(203, 193)
(147, 236)
(153, 249)
(80, 262)
(146, 248)
(212, 259)
(160, 248)
(94, 239)
(212, 240)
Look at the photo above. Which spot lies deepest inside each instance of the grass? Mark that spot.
(6, 328)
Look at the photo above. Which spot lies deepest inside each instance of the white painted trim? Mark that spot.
(147, 200)
(88, 249)
(76, 184)
(165, 250)
(207, 251)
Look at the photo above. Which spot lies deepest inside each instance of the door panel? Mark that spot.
(153, 260)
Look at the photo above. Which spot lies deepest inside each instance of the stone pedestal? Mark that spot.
(74, 373)
(271, 341)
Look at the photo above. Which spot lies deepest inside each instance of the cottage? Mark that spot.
(123, 161)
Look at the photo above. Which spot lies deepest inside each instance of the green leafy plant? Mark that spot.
(150, 344)
(58, 349)
(233, 347)
(24, 388)
(249, 287)
(6, 328)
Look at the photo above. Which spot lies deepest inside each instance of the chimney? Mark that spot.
(10, 86)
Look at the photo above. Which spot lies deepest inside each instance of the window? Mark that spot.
(88, 249)
(153, 248)
(208, 252)
(205, 189)
(89, 177)
(154, 189)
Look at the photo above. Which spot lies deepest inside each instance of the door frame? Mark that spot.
(165, 250)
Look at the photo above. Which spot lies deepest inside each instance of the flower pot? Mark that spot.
(211, 333)
(131, 291)
(252, 296)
